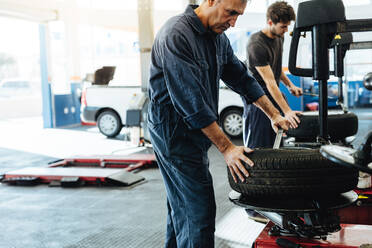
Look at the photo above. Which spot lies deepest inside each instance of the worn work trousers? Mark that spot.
(257, 128)
(191, 205)
(183, 162)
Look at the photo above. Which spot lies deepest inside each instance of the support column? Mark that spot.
(146, 38)
(47, 103)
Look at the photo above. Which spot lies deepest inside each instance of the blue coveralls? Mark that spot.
(187, 62)
(257, 128)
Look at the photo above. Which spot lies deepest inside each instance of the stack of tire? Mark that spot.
(340, 126)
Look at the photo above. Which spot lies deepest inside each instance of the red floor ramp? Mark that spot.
(130, 162)
(71, 177)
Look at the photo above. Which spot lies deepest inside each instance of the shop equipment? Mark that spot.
(314, 221)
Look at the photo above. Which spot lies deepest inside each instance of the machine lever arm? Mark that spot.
(292, 64)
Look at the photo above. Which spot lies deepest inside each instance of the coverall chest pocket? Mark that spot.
(203, 68)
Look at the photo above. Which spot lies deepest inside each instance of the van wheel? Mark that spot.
(340, 126)
(232, 122)
(109, 123)
(282, 173)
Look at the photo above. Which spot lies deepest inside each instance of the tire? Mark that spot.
(279, 173)
(232, 122)
(340, 126)
(109, 123)
(144, 112)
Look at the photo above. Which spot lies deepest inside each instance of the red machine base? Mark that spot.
(348, 237)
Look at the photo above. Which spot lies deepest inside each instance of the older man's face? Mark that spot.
(224, 14)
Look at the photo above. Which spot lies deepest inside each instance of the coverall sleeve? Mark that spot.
(182, 77)
(236, 76)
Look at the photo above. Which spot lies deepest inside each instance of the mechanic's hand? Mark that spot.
(281, 122)
(292, 117)
(296, 91)
(234, 155)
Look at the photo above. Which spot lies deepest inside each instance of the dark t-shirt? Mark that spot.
(262, 51)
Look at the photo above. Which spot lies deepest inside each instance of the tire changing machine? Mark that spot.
(315, 222)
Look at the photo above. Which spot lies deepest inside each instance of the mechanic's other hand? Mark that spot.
(296, 91)
(280, 122)
(234, 155)
(292, 117)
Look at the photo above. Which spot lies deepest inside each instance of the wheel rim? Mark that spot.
(108, 124)
(233, 124)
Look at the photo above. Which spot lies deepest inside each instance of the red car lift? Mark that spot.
(130, 162)
(77, 171)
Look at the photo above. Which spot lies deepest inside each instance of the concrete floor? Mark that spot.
(53, 217)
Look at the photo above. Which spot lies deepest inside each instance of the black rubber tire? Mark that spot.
(367, 81)
(116, 123)
(340, 126)
(237, 115)
(280, 173)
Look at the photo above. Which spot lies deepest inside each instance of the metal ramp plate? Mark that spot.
(89, 175)
(125, 178)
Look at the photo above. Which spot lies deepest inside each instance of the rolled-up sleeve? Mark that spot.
(236, 76)
(182, 77)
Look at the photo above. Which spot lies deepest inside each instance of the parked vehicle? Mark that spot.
(230, 108)
(12, 87)
(107, 107)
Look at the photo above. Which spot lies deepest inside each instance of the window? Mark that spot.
(356, 2)
(169, 5)
(108, 4)
(101, 46)
(19, 50)
(260, 6)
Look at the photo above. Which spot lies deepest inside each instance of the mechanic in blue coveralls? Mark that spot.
(264, 53)
(190, 55)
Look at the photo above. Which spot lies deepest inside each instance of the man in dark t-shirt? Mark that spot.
(264, 52)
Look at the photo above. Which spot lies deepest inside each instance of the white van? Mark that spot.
(107, 107)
